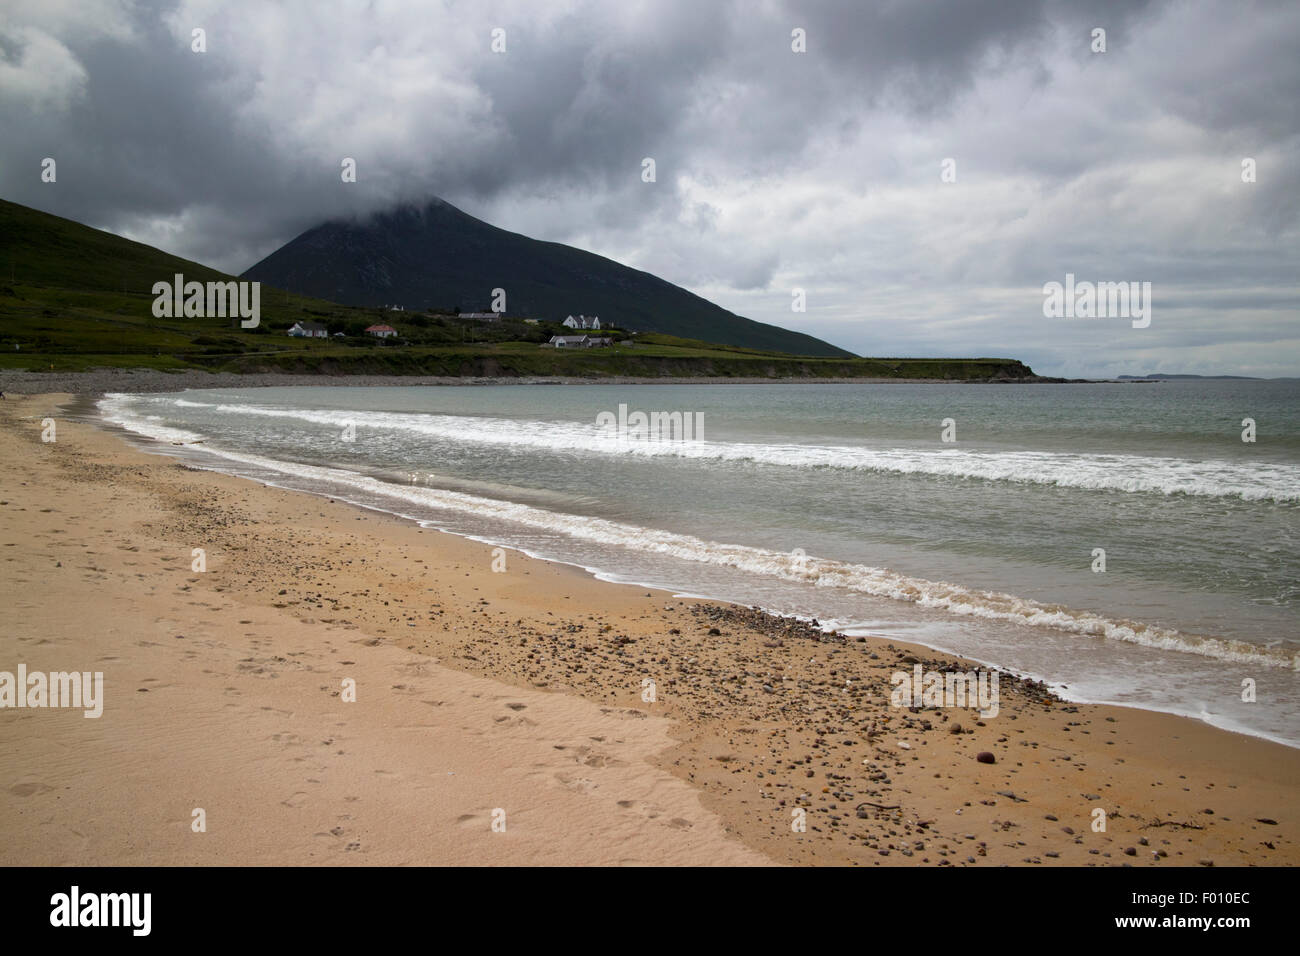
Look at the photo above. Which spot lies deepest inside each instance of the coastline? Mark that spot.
(99, 381)
(761, 717)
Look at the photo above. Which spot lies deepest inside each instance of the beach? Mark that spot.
(501, 713)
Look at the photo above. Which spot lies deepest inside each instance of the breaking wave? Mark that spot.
(1254, 481)
(790, 566)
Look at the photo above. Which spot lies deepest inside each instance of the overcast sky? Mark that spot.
(775, 169)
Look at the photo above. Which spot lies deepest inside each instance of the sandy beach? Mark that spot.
(501, 716)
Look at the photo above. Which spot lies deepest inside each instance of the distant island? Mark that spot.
(1161, 376)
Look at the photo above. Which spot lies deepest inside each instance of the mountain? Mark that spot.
(436, 256)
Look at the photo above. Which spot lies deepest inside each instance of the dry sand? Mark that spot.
(519, 691)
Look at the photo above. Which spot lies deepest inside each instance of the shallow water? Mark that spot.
(842, 502)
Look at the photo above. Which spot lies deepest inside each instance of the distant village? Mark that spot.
(317, 330)
(580, 341)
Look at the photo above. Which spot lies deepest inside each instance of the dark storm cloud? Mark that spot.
(578, 101)
(774, 169)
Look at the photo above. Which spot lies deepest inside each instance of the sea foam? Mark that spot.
(409, 501)
(1248, 481)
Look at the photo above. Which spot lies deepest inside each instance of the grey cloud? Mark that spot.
(774, 169)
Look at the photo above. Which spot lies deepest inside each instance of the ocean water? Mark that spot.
(843, 503)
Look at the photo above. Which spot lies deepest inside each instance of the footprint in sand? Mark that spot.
(28, 789)
(514, 721)
(652, 812)
(576, 784)
(589, 758)
(256, 671)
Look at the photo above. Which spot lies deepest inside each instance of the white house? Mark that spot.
(308, 330)
(583, 322)
(568, 341)
(578, 342)
(381, 331)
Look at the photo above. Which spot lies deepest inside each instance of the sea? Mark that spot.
(1119, 541)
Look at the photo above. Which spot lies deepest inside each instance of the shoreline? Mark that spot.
(141, 442)
(100, 381)
(85, 407)
(743, 702)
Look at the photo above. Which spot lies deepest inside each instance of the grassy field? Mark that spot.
(74, 298)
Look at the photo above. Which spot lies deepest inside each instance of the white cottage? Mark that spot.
(308, 330)
(568, 341)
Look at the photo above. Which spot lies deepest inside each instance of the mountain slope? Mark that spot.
(41, 249)
(73, 296)
(437, 256)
